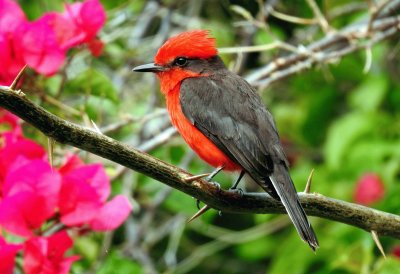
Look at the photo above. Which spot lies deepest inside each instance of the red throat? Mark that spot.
(173, 77)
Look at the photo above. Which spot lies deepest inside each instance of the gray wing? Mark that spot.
(226, 109)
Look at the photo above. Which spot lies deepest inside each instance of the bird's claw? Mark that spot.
(218, 186)
(237, 190)
(198, 203)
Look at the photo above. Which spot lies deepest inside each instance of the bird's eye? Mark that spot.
(180, 61)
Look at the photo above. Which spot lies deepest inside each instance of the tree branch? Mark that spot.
(382, 24)
(65, 132)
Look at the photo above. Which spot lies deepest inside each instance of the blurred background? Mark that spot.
(339, 116)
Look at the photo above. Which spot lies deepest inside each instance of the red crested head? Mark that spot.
(190, 44)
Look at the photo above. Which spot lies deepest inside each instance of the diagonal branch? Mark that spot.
(65, 132)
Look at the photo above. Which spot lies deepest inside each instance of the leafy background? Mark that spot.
(334, 118)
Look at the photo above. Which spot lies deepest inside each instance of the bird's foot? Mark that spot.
(237, 190)
(218, 186)
(198, 203)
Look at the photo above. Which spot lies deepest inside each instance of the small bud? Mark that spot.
(369, 189)
(396, 251)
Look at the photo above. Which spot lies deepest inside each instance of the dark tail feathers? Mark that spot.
(287, 193)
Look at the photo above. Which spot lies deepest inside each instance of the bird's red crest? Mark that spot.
(191, 44)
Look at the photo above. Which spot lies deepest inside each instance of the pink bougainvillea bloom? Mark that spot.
(83, 196)
(72, 162)
(43, 44)
(30, 197)
(16, 150)
(369, 189)
(38, 177)
(11, 16)
(79, 24)
(11, 62)
(112, 214)
(7, 256)
(46, 255)
(22, 213)
(83, 192)
(85, 19)
(39, 47)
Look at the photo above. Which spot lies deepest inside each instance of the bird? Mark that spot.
(222, 118)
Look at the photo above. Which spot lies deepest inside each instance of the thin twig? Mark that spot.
(319, 16)
(375, 11)
(293, 19)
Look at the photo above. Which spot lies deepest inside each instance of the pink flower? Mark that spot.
(39, 47)
(112, 214)
(369, 189)
(83, 21)
(72, 162)
(11, 16)
(84, 191)
(43, 44)
(46, 255)
(16, 150)
(30, 196)
(7, 256)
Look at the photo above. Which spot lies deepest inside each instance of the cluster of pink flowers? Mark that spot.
(43, 43)
(35, 196)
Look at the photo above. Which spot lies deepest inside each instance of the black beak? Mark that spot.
(152, 67)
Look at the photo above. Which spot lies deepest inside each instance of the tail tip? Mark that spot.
(312, 242)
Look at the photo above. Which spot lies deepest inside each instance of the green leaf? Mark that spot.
(369, 95)
(97, 107)
(87, 247)
(343, 134)
(92, 82)
(255, 250)
(387, 266)
(115, 264)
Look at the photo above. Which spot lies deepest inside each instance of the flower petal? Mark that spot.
(7, 255)
(22, 213)
(78, 203)
(93, 175)
(112, 214)
(72, 162)
(37, 177)
(87, 18)
(11, 15)
(46, 254)
(39, 45)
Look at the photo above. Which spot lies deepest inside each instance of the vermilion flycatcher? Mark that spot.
(223, 120)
